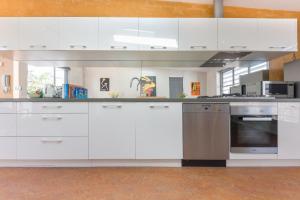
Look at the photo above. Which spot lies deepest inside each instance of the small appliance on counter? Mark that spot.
(49, 91)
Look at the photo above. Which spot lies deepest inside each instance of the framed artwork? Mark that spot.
(148, 86)
(195, 88)
(104, 84)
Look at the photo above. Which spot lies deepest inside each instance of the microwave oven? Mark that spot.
(280, 89)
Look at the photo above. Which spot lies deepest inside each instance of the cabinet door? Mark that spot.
(288, 130)
(159, 131)
(79, 33)
(198, 34)
(39, 33)
(112, 131)
(52, 148)
(8, 148)
(119, 33)
(52, 125)
(158, 34)
(9, 30)
(8, 124)
(278, 34)
(237, 34)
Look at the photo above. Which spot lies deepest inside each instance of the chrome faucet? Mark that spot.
(137, 86)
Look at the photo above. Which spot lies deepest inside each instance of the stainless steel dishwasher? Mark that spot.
(206, 133)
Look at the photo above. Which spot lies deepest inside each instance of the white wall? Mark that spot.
(120, 80)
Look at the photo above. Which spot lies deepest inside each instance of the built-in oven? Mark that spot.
(254, 128)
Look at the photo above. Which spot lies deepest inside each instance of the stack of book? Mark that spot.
(74, 92)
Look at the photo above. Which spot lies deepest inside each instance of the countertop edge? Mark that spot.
(124, 100)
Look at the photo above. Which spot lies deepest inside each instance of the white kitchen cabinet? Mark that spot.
(53, 148)
(112, 131)
(158, 34)
(198, 34)
(236, 34)
(8, 148)
(52, 107)
(9, 30)
(277, 34)
(159, 131)
(8, 124)
(79, 33)
(39, 33)
(289, 130)
(52, 125)
(8, 107)
(119, 33)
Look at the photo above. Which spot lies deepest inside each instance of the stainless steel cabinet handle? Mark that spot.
(118, 47)
(37, 46)
(158, 47)
(198, 47)
(112, 106)
(257, 119)
(52, 118)
(158, 106)
(238, 46)
(78, 46)
(51, 107)
(51, 140)
(274, 47)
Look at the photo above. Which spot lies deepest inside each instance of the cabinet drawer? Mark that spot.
(8, 149)
(52, 124)
(47, 107)
(52, 148)
(8, 124)
(8, 107)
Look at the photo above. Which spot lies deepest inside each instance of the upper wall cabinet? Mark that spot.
(9, 29)
(119, 33)
(39, 33)
(158, 34)
(278, 34)
(238, 34)
(198, 34)
(79, 33)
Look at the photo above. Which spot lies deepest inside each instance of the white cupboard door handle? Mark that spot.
(78, 46)
(52, 118)
(3, 47)
(37, 46)
(118, 47)
(239, 47)
(44, 140)
(199, 47)
(51, 107)
(273, 47)
(158, 47)
(112, 106)
(158, 106)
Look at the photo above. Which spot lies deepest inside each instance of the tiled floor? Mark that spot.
(149, 183)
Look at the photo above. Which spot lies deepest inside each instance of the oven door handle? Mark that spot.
(258, 119)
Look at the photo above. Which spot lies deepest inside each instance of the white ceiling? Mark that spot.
(291, 5)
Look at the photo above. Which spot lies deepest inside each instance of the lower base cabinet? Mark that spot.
(8, 148)
(52, 148)
(112, 131)
(159, 131)
(288, 130)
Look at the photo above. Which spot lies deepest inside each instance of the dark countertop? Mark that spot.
(188, 100)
